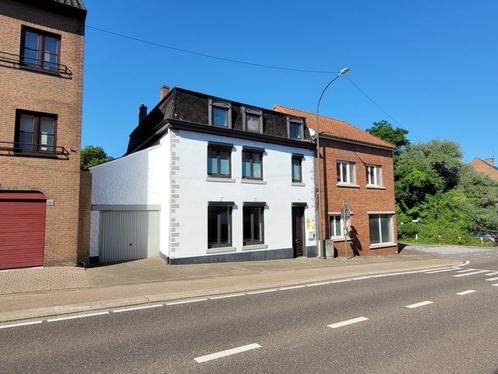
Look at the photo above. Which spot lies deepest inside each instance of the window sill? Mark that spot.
(339, 239)
(382, 245)
(254, 246)
(376, 187)
(298, 184)
(347, 185)
(220, 180)
(220, 250)
(253, 181)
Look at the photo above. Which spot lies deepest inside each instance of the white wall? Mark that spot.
(195, 192)
(141, 178)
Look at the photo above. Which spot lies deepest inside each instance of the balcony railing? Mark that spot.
(21, 62)
(33, 150)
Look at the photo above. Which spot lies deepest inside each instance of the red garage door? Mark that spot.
(22, 229)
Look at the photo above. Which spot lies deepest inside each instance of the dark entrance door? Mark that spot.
(298, 230)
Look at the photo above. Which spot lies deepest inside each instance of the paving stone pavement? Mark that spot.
(46, 279)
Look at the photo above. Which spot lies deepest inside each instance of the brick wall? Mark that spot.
(485, 167)
(361, 199)
(59, 180)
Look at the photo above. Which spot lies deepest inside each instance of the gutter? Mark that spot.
(356, 142)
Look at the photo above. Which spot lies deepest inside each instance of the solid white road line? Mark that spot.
(473, 273)
(20, 324)
(496, 284)
(439, 271)
(466, 270)
(228, 352)
(493, 273)
(262, 291)
(463, 293)
(417, 305)
(492, 279)
(291, 287)
(226, 296)
(137, 308)
(318, 284)
(186, 301)
(77, 316)
(347, 322)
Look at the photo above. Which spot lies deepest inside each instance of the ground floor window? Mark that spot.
(219, 225)
(336, 226)
(253, 222)
(381, 228)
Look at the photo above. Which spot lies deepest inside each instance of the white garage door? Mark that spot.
(128, 235)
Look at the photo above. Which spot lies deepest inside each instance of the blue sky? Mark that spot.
(431, 65)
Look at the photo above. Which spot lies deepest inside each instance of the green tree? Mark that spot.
(394, 135)
(92, 156)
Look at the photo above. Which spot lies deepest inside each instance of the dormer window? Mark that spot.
(296, 128)
(220, 114)
(253, 120)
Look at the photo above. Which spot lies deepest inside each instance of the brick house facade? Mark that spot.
(41, 75)
(486, 167)
(371, 199)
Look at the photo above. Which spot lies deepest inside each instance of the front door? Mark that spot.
(298, 230)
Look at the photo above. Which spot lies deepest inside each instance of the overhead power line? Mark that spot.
(201, 54)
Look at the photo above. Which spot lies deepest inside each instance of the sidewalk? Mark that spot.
(151, 280)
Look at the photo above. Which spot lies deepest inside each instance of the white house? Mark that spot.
(206, 180)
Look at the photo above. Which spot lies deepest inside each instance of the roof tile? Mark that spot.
(72, 3)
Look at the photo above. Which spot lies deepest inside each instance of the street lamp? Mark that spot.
(318, 176)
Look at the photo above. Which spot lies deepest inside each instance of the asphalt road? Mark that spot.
(358, 326)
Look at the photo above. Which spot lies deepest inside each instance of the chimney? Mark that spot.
(142, 113)
(164, 91)
(490, 161)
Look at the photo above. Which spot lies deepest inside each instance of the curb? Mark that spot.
(29, 314)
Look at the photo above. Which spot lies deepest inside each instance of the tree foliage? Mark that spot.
(394, 135)
(92, 156)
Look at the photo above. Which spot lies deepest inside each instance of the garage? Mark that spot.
(22, 229)
(128, 235)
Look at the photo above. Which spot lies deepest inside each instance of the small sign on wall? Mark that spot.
(50, 202)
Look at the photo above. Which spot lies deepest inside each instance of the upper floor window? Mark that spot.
(220, 114)
(253, 120)
(35, 132)
(219, 161)
(346, 172)
(374, 176)
(296, 129)
(297, 168)
(40, 49)
(252, 164)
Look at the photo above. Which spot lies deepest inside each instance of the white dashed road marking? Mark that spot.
(466, 270)
(463, 293)
(473, 273)
(347, 322)
(20, 324)
(417, 305)
(439, 271)
(262, 291)
(493, 273)
(77, 316)
(228, 352)
(186, 301)
(291, 287)
(492, 279)
(226, 296)
(137, 308)
(496, 284)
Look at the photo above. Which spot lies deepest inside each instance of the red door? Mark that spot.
(22, 229)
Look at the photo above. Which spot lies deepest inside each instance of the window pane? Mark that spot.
(212, 163)
(385, 223)
(378, 176)
(253, 122)
(351, 176)
(296, 170)
(47, 126)
(47, 130)
(374, 229)
(30, 57)
(257, 224)
(338, 230)
(224, 164)
(220, 116)
(225, 225)
(295, 130)
(247, 223)
(26, 123)
(344, 172)
(51, 45)
(212, 225)
(256, 165)
(339, 179)
(25, 140)
(246, 165)
(31, 40)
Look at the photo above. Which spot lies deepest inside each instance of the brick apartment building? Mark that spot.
(41, 79)
(357, 167)
(486, 166)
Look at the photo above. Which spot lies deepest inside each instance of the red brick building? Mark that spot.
(486, 167)
(356, 167)
(41, 83)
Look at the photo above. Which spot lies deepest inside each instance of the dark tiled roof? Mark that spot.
(72, 3)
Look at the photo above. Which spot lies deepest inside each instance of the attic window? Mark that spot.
(220, 114)
(296, 129)
(253, 120)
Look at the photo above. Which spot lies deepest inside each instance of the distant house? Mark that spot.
(486, 166)
(356, 167)
(41, 89)
(206, 179)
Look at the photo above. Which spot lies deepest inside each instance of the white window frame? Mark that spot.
(382, 244)
(350, 178)
(336, 216)
(378, 177)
